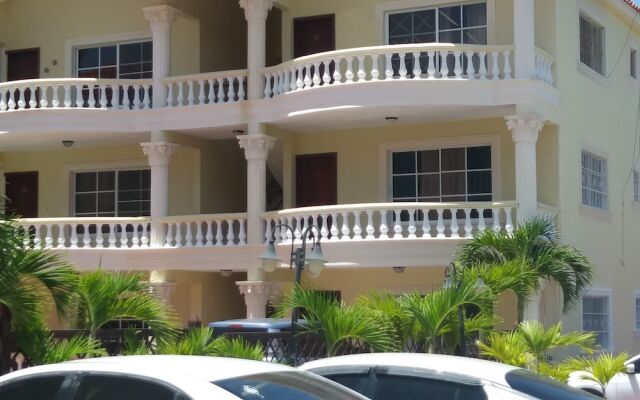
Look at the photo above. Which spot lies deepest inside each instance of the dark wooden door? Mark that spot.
(313, 35)
(21, 189)
(23, 64)
(316, 180)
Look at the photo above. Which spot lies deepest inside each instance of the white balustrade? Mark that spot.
(414, 61)
(208, 88)
(205, 230)
(544, 66)
(393, 221)
(112, 94)
(69, 233)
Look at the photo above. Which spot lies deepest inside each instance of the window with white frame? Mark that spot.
(466, 23)
(121, 193)
(594, 181)
(636, 186)
(596, 318)
(592, 45)
(637, 311)
(130, 60)
(442, 175)
(633, 63)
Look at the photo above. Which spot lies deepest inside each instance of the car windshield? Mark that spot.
(286, 385)
(543, 388)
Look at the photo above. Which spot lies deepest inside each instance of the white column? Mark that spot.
(525, 131)
(524, 38)
(159, 154)
(160, 19)
(2, 188)
(256, 11)
(256, 295)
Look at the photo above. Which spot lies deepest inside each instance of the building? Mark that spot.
(161, 136)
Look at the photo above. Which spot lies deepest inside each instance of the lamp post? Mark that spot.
(297, 260)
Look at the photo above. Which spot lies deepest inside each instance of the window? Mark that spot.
(541, 387)
(107, 387)
(594, 181)
(32, 388)
(638, 311)
(411, 387)
(596, 318)
(112, 193)
(453, 24)
(592, 44)
(633, 63)
(636, 186)
(442, 175)
(123, 60)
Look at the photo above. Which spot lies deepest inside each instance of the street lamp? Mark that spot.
(298, 259)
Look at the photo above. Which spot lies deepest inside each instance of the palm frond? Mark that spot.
(237, 348)
(507, 348)
(40, 346)
(600, 369)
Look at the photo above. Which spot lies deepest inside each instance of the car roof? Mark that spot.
(438, 363)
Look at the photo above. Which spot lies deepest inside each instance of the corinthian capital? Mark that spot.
(256, 147)
(159, 153)
(256, 8)
(524, 129)
(160, 17)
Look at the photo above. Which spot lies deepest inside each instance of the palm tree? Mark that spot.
(106, 296)
(336, 324)
(41, 347)
(535, 245)
(29, 278)
(389, 311)
(600, 369)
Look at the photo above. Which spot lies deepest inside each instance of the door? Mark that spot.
(316, 180)
(21, 65)
(21, 189)
(312, 35)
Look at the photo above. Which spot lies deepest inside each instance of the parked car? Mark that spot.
(625, 386)
(395, 376)
(169, 378)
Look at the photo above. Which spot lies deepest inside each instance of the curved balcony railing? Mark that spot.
(89, 93)
(544, 66)
(379, 221)
(208, 88)
(205, 230)
(435, 61)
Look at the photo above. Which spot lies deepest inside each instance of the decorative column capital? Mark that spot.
(524, 129)
(256, 9)
(256, 147)
(160, 17)
(163, 290)
(259, 289)
(159, 153)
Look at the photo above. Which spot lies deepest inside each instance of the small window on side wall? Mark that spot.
(633, 63)
(636, 186)
(592, 44)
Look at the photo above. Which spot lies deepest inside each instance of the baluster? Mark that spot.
(230, 233)
(241, 92)
(471, 73)
(212, 94)
(12, 103)
(300, 79)
(483, 65)
(188, 239)
(307, 76)
(496, 220)
(293, 85)
(403, 65)
(277, 232)
(231, 92)
(337, 73)
(125, 240)
(92, 96)
(334, 227)
(397, 224)
(357, 229)
(199, 235)
(201, 94)
(190, 95)
(468, 228)
(444, 69)
(324, 230)
(388, 66)
(3, 102)
(219, 237)
(455, 230)
(375, 72)
(180, 98)
(276, 84)
(147, 98)
(103, 96)
(135, 240)
(287, 234)
(112, 235)
(48, 236)
(286, 84)
(326, 78)
(37, 240)
(21, 101)
(362, 73)
(126, 100)
(242, 236)
(412, 224)
(384, 228)
(280, 85)
(440, 224)
(346, 231)
(61, 241)
(86, 236)
(349, 73)
(219, 91)
(458, 64)
(115, 96)
(509, 224)
(55, 101)
(32, 99)
(481, 223)
(370, 229)
(269, 224)
(169, 238)
(316, 74)
(506, 70)
(74, 236)
(169, 94)
(496, 65)
(178, 235)
(267, 85)
(426, 225)
(417, 68)
(209, 237)
(136, 96)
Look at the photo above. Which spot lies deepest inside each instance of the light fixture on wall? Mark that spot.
(68, 143)
(399, 270)
(238, 131)
(226, 272)
(391, 118)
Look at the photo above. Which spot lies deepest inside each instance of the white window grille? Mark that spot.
(592, 45)
(596, 318)
(594, 181)
(122, 193)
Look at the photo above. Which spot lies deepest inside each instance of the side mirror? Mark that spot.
(630, 368)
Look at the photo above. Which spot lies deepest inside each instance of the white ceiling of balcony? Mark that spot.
(30, 141)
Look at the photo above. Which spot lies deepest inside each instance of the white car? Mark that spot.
(168, 378)
(397, 376)
(625, 386)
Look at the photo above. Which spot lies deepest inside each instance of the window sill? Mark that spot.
(593, 75)
(604, 215)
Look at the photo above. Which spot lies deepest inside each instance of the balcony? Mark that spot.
(371, 235)
(421, 80)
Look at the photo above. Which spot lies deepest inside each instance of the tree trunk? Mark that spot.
(521, 305)
(5, 340)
